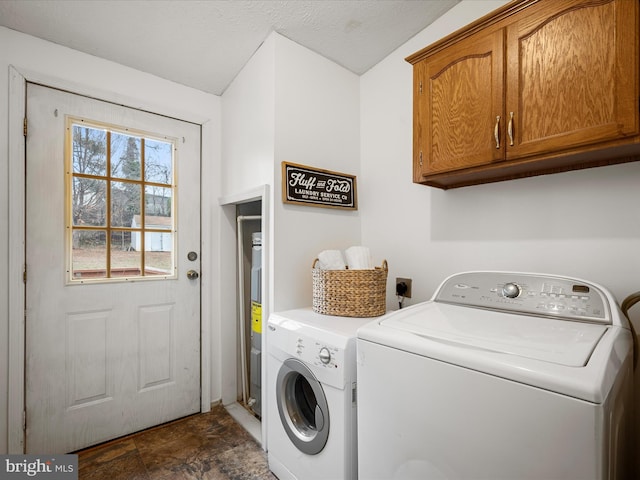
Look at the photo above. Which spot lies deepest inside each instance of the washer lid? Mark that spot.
(557, 341)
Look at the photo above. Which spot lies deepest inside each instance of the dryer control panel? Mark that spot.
(530, 294)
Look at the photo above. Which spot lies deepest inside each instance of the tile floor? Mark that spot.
(208, 446)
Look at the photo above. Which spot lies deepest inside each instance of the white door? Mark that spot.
(113, 228)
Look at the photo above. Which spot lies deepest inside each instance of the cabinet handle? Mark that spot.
(496, 131)
(510, 129)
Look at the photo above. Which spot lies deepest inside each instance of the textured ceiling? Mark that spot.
(204, 44)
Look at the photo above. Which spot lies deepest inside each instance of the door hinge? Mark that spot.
(24, 420)
(420, 94)
(24, 275)
(24, 127)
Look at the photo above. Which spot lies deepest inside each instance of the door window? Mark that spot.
(120, 202)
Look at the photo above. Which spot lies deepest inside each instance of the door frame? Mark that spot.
(228, 266)
(18, 79)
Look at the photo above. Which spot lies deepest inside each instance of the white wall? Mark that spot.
(248, 106)
(290, 104)
(317, 124)
(583, 223)
(59, 66)
(247, 165)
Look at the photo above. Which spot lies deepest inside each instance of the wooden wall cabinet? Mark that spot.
(539, 86)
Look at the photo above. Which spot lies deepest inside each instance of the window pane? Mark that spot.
(125, 203)
(158, 255)
(125, 156)
(89, 202)
(158, 162)
(157, 202)
(125, 262)
(89, 254)
(89, 151)
(121, 183)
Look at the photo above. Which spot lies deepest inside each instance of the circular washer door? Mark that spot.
(303, 407)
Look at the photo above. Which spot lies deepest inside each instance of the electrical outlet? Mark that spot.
(403, 284)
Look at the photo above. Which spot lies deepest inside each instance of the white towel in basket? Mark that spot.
(331, 260)
(359, 258)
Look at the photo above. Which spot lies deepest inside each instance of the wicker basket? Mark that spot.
(350, 293)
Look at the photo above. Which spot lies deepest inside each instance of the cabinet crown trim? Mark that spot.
(482, 23)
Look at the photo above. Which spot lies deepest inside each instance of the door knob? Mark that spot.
(192, 275)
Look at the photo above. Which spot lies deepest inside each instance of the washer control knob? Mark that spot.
(511, 290)
(325, 355)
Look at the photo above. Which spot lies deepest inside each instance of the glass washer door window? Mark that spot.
(120, 201)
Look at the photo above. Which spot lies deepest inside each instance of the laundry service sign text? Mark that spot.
(316, 187)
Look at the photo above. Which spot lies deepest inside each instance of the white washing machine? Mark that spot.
(311, 395)
(500, 376)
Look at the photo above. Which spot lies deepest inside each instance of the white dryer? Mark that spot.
(311, 395)
(500, 376)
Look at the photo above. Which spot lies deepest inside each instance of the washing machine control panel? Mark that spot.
(324, 355)
(318, 353)
(527, 293)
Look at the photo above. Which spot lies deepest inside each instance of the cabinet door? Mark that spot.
(572, 75)
(458, 102)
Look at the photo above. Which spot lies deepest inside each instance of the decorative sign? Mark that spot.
(321, 188)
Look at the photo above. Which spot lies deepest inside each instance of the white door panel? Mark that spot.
(110, 358)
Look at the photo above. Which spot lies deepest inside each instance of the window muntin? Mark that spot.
(111, 173)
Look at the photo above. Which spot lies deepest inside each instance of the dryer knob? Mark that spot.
(511, 290)
(325, 355)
